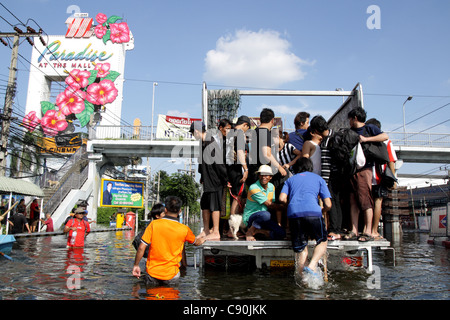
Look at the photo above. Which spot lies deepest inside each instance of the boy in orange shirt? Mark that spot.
(166, 238)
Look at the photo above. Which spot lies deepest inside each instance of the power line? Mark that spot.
(426, 114)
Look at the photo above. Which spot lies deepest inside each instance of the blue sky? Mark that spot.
(315, 45)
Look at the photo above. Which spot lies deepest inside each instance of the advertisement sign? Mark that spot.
(88, 64)
(119, 193)
(438, 222)
(448, 229)
(63, 144)
(278, 123)
(174, 128)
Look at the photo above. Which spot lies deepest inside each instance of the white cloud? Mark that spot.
(256, 59)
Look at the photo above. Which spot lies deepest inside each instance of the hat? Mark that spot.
(197, 125)
(79, 210)
(243, 119)
(265, 170)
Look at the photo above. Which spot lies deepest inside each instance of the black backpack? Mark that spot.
(137, 242)
(341, 144)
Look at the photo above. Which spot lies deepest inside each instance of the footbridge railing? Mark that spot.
(420, 139)
(411, 139)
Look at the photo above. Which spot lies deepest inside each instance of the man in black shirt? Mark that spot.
(18, 221)
(261, 147)
(213, 172)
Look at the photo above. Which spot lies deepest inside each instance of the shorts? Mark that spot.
(379, 191)
(211, 201)
(362, 188)
(234, 176)
(306, 227)
(150, 281)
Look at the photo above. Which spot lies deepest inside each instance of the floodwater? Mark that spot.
(44, 269)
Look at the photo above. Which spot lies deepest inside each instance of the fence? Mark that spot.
(420, 139)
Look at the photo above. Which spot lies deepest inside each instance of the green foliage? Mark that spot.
(183, 186)
(104, 214)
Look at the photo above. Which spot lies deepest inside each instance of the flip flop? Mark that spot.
(364, 238)
(332, 237)
(350, 236)
(310, 271)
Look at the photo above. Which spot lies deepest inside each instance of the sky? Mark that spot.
(394, 49)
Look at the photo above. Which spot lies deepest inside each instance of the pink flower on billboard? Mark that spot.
(100, 31)
(101, 93)
(111, 29)
(102, 69)
(78, 79)
(87, 92)
(30, 121)
(101, 18)
(120, 32)
(71, 101)
(53, 122)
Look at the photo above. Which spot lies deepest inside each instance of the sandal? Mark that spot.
(350, 236)
(364, 238)
(379, 238)
(333, 237)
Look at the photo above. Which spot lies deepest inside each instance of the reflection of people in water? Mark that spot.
(107, 196)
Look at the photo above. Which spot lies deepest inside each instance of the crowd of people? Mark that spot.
(268, 178)
(232, 158)
(22, 220)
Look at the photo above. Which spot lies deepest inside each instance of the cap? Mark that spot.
(197, 125)
(265, 170)
(79, 210)
(243, 119)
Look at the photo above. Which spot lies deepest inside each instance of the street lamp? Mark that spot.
(404, 122)
(153, 108)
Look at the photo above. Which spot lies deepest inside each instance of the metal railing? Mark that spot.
(413, 139)
(74, 181)
(122, 133)
(58, 176)
(420, 139)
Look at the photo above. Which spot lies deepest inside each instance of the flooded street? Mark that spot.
(44, 269)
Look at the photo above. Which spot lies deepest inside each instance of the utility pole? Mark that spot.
(11, 88)
(147, 187)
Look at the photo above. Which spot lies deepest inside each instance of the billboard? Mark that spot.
(86, 69)
(63, 144)
(120, 193)
(439, 222)
(174, 128)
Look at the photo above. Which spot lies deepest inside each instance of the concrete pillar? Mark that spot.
(392, 228)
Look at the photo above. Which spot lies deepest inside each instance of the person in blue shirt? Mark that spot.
(301, 193)
(301, 123)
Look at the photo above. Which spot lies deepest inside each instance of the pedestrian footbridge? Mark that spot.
(119, 144)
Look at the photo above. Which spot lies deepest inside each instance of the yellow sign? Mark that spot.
(48, 145)
(282, 263)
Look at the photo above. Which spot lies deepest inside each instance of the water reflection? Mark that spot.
(43, 268)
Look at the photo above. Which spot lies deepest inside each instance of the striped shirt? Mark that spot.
(326, 158)
(286, 154)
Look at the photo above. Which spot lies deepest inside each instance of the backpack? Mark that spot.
(137, 242)
(375, 152)
(341, 144)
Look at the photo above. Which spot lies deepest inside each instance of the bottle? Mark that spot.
(74, 235)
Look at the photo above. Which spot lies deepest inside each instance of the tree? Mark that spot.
(181, 185)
